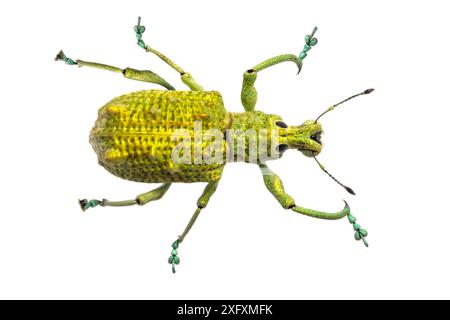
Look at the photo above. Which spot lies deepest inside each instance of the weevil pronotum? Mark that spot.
(168, 136)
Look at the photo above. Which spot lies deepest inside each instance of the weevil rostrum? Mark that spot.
(169, 136)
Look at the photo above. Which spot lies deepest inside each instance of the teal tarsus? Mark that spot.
(310, 42)
(139, 30)
(365, 242)
(174, 259)
(62, 57)
(360, 234)
(85, 204)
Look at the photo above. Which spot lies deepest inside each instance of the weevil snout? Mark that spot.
(313, 144)
(306, 137)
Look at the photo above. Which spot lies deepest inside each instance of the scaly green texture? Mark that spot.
(133, 135)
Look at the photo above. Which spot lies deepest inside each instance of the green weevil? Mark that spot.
(168, 136)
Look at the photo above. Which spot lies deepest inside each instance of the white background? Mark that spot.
(390, 146)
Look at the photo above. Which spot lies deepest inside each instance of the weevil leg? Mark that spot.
(141, 199)
(201, 204)
(249, 94)
(186, 77)
(275, 186)
(130, 73)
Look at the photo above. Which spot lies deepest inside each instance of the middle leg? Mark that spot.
(186, 77)
(201, 204)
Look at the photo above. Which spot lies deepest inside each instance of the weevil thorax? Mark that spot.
(257, 136)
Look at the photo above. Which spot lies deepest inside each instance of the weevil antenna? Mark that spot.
(345, 100)
(349, 190)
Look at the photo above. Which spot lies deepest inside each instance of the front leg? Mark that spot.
(141, 199)
(249, 94)
(275, 186)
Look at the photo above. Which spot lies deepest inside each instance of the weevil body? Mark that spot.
(169, 136)
(134, 134)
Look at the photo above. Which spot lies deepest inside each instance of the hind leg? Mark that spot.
(201, 204)
(141, 199)
(140, 75)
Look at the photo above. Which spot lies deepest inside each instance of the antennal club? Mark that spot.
(349, 190)
(349, 98)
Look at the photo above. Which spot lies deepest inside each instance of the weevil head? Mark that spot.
(305, 138)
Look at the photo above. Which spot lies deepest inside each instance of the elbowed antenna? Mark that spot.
(349, 98)
(349, 190)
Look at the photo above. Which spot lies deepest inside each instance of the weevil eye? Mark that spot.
(281, 124)
(282, 148)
